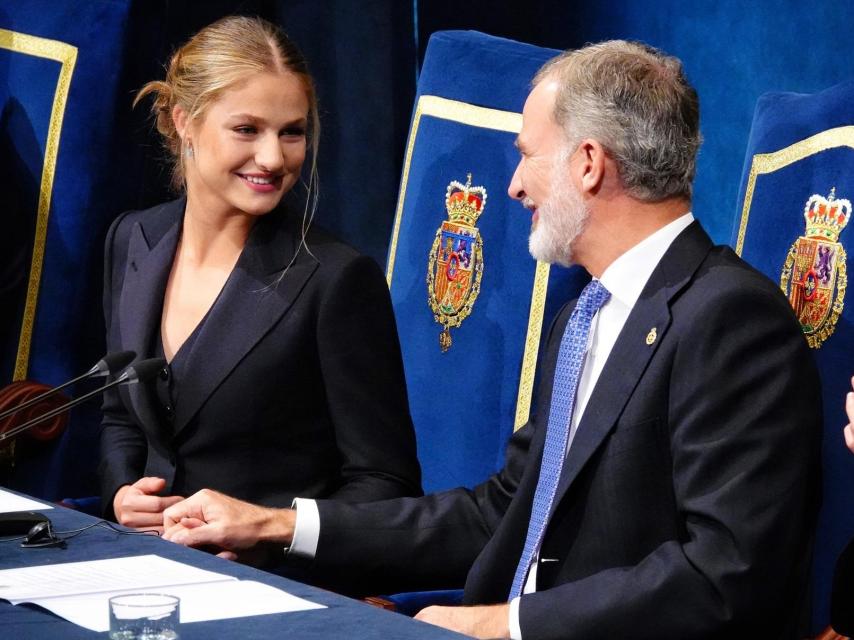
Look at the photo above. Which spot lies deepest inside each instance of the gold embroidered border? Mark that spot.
(483, 117)
(770, 162)
(66, 55)
(532, 345)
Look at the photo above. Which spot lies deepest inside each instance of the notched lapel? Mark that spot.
(633, 350)
(622, 372)
(250, 304)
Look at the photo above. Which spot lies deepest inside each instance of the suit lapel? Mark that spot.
(631, 353)
(250, 303)
(151, 249)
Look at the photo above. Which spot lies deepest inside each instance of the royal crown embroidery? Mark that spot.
(455, 267)
(814, 275)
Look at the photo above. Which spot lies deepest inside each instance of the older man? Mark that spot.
(667, 487)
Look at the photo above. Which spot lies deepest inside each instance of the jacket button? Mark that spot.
(169, 411)
(164, 374)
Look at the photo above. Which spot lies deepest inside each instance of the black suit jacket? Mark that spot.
(293, 387)
(688, 499)
(842, 599)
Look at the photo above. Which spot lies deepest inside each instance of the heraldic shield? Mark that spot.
(455, 267)
(814, 275)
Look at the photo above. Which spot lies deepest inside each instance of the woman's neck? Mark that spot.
(210, 238)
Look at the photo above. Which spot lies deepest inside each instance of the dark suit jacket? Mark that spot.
(842, 600)
(688, 499)
(292, 387)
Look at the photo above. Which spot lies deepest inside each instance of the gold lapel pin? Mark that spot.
(651, 336)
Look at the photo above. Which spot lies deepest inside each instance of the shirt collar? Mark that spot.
(626, 277)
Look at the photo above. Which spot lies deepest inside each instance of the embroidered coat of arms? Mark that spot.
(455, 267)
(814, 275)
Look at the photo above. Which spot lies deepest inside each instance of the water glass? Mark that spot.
(144, 616)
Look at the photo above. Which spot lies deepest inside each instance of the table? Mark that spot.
(344, 617)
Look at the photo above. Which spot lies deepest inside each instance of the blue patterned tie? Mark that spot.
(573, 346)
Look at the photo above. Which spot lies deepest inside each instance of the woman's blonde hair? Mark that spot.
(214, 60)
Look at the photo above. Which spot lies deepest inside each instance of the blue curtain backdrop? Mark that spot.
(365, 57)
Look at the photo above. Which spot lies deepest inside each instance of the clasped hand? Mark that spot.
(137, 505)
(209, 518)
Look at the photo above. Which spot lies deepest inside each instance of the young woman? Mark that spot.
(285, 376)
(842, 604)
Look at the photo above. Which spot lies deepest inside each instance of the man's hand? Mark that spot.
(137, 505)
(212, 518)
(849, 409)
(485, 621)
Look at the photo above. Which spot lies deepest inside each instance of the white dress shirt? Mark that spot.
(624, 278)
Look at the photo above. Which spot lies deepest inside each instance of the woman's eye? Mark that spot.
(245, 129)
(293, 132)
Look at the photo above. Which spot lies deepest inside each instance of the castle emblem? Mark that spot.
(456, 259)
(814, 276)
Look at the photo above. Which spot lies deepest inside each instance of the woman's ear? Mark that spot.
(180, 120)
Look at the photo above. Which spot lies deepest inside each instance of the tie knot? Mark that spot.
(592, 297)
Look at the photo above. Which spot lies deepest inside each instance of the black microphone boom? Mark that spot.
(109, 365)
(139, 372)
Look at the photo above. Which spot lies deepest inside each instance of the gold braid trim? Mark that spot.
(66, 55)
(770, 162)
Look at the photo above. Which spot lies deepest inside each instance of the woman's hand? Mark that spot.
(137, 505)
(849, 409)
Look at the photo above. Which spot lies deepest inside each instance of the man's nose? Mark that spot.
(514, 189)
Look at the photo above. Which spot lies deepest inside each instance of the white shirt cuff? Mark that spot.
(306, 528)
(515, 629)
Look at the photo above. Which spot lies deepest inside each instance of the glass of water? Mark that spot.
(144, 616)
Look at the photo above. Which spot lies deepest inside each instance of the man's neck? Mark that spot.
(621, 224)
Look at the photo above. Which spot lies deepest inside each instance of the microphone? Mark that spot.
(139, 372)
(109, 365)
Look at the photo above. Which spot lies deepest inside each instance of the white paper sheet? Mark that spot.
(199, 602)
(137, 573)
(80, 591)
(10, 502)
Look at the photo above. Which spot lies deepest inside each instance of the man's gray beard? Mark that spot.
(562, 218)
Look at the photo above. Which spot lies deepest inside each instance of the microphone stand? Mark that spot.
(136, 373)
(107, 365)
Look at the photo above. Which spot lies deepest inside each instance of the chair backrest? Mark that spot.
(458, 265)
(59, 76)
(796, 194)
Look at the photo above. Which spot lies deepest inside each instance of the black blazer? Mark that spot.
(687, 502)
(842, 599)
(294, 386)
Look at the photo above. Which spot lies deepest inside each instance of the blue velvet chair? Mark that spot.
(796, 193)
(471, 303)
(59, 85)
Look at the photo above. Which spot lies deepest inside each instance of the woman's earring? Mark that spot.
(188, 151)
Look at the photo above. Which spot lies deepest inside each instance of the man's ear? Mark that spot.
(588, 163)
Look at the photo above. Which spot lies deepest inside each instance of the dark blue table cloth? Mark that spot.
(344, 617)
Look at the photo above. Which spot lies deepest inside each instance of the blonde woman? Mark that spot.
(849, 409)
(285, 376)
(842, 604)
